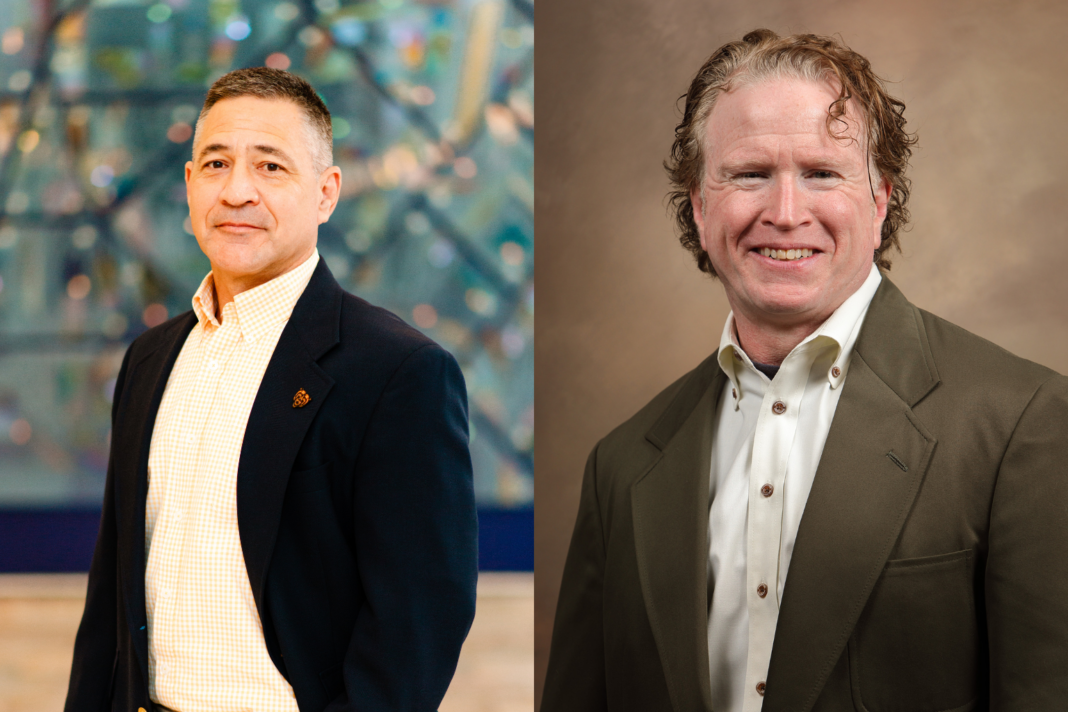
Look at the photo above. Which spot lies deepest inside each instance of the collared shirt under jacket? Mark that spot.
(769, 437)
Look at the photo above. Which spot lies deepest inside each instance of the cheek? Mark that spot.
(847, 219)
(200, 199)
(728, 214)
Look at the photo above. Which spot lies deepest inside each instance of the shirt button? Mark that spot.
(190, 439)
(737, 356)
(213, 364)
(778, 408)
(734, 393)
(836, 372)
(762, 590)
(766, 490)
(760, 687)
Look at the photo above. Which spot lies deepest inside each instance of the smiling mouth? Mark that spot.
(786, 255)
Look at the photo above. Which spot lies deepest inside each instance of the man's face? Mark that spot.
(776, 180)
(255, 199)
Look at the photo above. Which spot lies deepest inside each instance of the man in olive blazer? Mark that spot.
(940, 583)
(916, 560)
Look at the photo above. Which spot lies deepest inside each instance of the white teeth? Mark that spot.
(785, 254)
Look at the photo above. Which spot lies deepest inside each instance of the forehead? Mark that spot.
(780, 111)
(245, 121)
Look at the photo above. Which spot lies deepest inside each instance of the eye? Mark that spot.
(822, 175)
(215, 164)
(273, 167)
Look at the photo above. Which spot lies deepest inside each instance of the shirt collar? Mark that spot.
(839, 333)
(256, 310)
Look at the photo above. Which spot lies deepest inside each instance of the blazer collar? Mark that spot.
(859, 500)
(143, 388)
(670, 510)
(278, 422)
(893, 342)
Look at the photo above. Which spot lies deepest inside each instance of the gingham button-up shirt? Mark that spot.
(205, 637)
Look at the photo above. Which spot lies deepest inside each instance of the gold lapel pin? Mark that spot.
(301, 399)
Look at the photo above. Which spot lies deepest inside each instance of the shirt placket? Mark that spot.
(775, 430)
(182, 467)
(206, 378)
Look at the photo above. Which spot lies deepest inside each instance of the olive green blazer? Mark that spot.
(930, 571)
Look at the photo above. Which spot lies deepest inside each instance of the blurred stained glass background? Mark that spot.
(432, 103)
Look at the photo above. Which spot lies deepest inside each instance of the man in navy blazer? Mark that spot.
(354, 498)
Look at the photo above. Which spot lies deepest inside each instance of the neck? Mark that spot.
(771, 343)
(223, 296)
(228, 286)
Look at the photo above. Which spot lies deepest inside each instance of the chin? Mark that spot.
(237, 260)
(785, 302)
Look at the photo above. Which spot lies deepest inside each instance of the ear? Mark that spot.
(698, 204)
(188, 174)
(882, 202)
(329, 192)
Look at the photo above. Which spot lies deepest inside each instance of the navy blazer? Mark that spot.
(356, 514)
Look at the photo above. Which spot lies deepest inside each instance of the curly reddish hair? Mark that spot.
(763, 55)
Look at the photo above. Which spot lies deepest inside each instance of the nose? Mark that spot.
(786, 208)
(239, 188)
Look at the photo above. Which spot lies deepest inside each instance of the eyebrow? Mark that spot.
(261, 148)
(756, 162)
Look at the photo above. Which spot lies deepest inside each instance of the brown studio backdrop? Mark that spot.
(622, 309)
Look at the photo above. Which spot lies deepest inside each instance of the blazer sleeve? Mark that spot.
(575, 680)
(416, 535)
(96, 644)
(1026, 578)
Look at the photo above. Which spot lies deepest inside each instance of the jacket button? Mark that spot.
(140, 709)
(762, 590)
(766, 490)
(779, 408)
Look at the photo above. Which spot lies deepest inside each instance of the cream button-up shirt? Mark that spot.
(769, 436)
(206, 651)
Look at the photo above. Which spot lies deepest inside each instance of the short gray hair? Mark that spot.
(267, 83)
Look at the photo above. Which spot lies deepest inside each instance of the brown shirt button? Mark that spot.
(734, 393)
(778, 408)
(836, 372)
(737, 356)
(760, 688)
(762, 590)
(766, 490)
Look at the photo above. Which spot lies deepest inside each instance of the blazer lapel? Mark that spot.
(143, 389)
(872, 467)
(277, 424)
(670, 510)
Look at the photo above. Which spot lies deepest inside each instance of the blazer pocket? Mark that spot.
(916, 644)
(310, 480)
